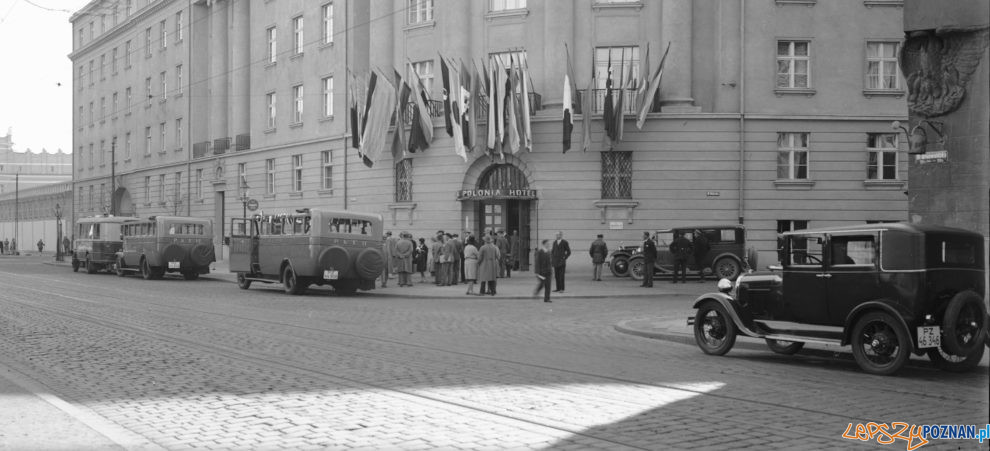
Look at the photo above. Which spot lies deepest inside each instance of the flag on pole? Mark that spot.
(512, 108)
(651, 92)
(381, 107)
(399, 141)
(445, 77)
(620, 104)
(608, 113)
(587, 106)
(643, 80)
(525, 131)
(567, 103)
(476, 89)
(469, 112)
(354, 113)
(456, 106)
(421, 129)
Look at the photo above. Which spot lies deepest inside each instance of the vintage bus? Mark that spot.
(164, 244)
(97, 242)
(312, 246)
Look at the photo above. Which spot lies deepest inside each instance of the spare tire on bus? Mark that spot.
(172, 253)
(369, 264)
(201, 254)
(339, 259)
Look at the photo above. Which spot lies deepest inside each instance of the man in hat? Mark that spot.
(598, 251)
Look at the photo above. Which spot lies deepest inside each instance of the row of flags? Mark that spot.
(506, 87)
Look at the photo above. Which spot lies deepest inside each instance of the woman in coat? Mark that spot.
(488, 259)
(403, 258)
(420, 257)
(470, 263)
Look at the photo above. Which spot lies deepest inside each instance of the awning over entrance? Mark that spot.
(496, 194)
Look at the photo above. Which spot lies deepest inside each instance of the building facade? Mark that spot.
(773, 113)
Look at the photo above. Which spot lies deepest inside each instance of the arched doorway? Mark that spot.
(502, 200)
(122, 203)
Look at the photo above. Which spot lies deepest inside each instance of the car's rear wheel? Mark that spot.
(620, 266)
(637, 268)
(242, 281)
(879, 344)
(784, 347)
(714, 330)
(964, 324)
(291, 282)
(727, 268)
(954, 363)
(147, 272)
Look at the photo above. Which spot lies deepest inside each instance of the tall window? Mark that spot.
(272, 44)
(161, 137)
(127, 54)
(127, 97)
(792, 156)
(147, 42)
(624, 62)
(424, 70)
(127, 146)
(616, 175)
(162, 35)
(92, 74)
(113, 61)
(147, 90)
(178, 133)
(420, 11)
(103, 152)
(297, 172)
(270, 176)
(297, 104)
(327, 33)
(163, 80)
(404, 181)
(82, 76)
(199, 184)
(271, 109)
(502, 5)
(881, 65)
(92, 113)
(103, 109)
(92, 156)
(147, 141)
(147, 189)
(103, 194)
(161, 188)
(297, 35)
(327, 161)
(327, 96)
(793, 64)
(113, 103)
(178, 79)
(103, 66)
(128, 7)
(882, 150)
(178, 26)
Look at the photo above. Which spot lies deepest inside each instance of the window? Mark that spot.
(270, 176)
(128, 7)
(103, 66)
(81, 42)
(881, 66)
(625, 66)
(424, 70)
(103, 152)
(420, 11)
(82, 76)
(403, 181)
(178, 26)
(502, 5)
(882, 149)
(327, 33)
(127, 146)
(147, 140)
(92, 113)
(113, 103)
(161, 188)
(92, 74)
(127, 54)
(163, 79)
(616, 175)
(177, 190)
(272, 45)
(178, 133)
(326, 158)
(113, 61)
(82, 196)
(147, 90)
(793, 64)
(271, 110)
(103, 193)
(178, 79)
(853, 250)
(127, 96)
(103, 109)
(147, 189)
(806, 250)
(792, 156)
(162, 35)
(82, 116)
(297, 171)
(327, 96)
(92, 205)
(297, 104)
(147, 42)
(115, 13)
(199, 184)
(161, 137)
(297, 35)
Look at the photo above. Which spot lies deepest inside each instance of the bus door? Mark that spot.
(243, 245)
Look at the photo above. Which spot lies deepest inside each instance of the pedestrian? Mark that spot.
(457, 270)
(6, 246)
(680, 249)
(488, 258)
(504, 270)
(649, 259)
(598, 251)
(558, 257)
(2, 246)
(403, 258)
(421, 258)
(387, 252)
(66, 245)
(41, 245)
(470, 263)
(449, 260)
(543, 270)
(13, 246)
(515, 248)
(700, 248)
(436, 250)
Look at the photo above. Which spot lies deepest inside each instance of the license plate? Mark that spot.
(929, 337)
(174, 265)
(330, 274)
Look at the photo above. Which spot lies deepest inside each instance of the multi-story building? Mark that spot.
(773, 113)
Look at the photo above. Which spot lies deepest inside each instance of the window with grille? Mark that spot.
(616, 175)
(792, 156)
(793, 64)
(881, 66)
(420, 11)
(403, 181)
(882, 150)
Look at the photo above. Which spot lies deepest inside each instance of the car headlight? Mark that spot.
(725, 286)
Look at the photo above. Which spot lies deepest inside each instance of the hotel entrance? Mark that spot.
(503, 201)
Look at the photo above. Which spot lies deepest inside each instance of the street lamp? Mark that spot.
(58, 232)
(245, 196)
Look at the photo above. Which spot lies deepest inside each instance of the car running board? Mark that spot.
(804, 339)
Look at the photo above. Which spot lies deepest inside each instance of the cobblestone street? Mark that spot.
(204, 365)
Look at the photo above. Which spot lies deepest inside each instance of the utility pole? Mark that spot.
(17, 201)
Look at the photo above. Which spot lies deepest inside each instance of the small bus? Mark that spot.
(166, 244)
(97, 242)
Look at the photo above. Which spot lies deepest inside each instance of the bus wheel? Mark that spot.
(90, 267)
(146, 273)
(119, 267)
(291, 282)
(242, 281)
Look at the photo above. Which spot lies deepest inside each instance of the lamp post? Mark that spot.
(17, 201)
(113, 178)
(58, 232)
(245, 196)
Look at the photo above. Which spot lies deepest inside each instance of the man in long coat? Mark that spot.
(449, 259)
(515, 248)
(504, 270)
(404, 247)
(598, 251)
(558, 256)
(488, 258)
(457, 271)
(388, 246)
(649, 259)
(543, 270)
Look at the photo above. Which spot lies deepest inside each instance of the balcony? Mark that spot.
(221, 146)
(201, 149)
(629, 104)
(242, 142)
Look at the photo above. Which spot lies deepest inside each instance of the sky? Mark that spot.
(35, 41)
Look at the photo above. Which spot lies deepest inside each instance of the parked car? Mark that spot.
(888, 290)
(618, 260)
(312, 246)
(164, 244)
(727, 256)
(97, 242)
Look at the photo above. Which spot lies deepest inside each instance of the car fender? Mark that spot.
(885, 305)
(738, 315)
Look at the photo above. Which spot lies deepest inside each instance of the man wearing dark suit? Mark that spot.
(649, 258)
(543, 270)
(558, 257)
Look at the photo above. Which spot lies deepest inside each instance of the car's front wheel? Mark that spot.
(620, 266)
(879, 344)
(291, 282)
(784, 347)
(242, 281)
(714, 330)
(953, 363)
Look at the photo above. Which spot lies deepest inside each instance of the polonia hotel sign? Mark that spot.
(496, 193)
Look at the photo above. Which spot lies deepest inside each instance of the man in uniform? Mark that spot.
(680, 249)
(649, 259)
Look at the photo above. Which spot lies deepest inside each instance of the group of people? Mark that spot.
(8, 246)
(682, 249)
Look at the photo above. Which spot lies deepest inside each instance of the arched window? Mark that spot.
(503, 176)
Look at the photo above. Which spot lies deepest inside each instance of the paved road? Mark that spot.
(204, 365)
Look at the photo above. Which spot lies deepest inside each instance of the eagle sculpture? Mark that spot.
(938, 65)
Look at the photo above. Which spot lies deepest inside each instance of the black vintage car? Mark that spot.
(888, 290)
(727, 256)
(618, 260)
